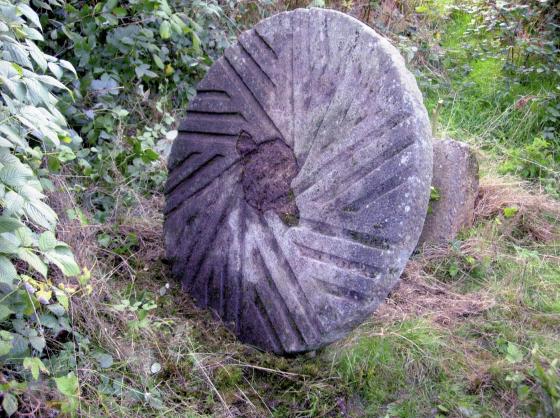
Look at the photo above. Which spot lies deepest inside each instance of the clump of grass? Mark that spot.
(534, 215)
(407, 368)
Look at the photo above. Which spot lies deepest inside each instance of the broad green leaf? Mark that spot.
(18, 54)
(9, 404)
(13, 203)
(15, 174)
(40, 213)
(9, 244)
(8, 272)
(47, 241)
(165, 30)
(5, 347)
(56, 70)
(110, 5)
(67, 385)
(34, 364)
(63, 300)
(25, 236)
(514, 354)
(32, 33)
(9, 224)
(5, 312)
(158, 62)
(149, 155)
(64, 260)
(38, 343)
(33, 260)
(29, 13)
(105, 360)
(17, 68)
(38, 95)
(52, 81)
(36, 54)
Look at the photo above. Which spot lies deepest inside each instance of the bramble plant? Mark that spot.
(33, 304)
(137, 63)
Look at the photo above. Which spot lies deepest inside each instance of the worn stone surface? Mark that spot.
(299, 181)
(455, 177)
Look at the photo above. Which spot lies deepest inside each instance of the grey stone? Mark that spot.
(455, 178)
(299, 181)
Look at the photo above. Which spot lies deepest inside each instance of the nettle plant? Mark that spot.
(32, 306)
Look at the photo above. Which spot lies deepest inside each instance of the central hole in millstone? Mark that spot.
(268, 170)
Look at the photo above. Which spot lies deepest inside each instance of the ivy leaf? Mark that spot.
(9, 404)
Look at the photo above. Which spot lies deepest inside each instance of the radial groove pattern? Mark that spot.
(299, 182)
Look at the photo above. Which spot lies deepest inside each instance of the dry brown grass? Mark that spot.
(415, 296)
(538, 215)
(419, 293)
(195, 349)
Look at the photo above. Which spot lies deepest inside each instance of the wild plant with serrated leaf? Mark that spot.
(137, 63)
(32, 306)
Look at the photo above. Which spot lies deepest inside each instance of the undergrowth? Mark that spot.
(471, 330)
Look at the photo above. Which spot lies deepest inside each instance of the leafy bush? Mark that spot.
(34, 301)
(137, 64)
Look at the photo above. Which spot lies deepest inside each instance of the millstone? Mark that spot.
(299, 181)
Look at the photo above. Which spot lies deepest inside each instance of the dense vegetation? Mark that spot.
(91, 323)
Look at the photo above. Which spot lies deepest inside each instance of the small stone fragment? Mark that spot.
(455, 179)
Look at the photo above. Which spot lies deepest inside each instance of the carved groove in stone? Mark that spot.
(299, 180)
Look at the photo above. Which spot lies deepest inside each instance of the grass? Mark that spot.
(464, 331)
(471, 331)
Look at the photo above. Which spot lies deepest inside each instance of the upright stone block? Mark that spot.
(299, 181)
(455, 178)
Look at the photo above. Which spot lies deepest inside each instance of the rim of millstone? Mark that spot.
(299, 181)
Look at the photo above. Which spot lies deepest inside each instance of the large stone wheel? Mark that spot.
(299, 182)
